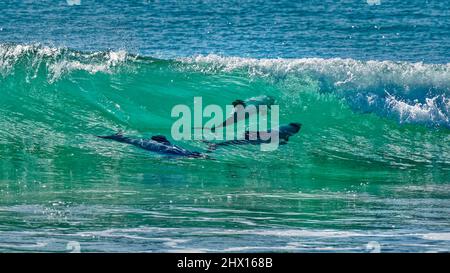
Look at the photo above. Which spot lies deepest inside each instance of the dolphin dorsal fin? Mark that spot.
(161, 139)
(238, 102)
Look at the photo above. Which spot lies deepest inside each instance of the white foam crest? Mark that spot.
(111, 60)
(429, 112)
(342, 72)
(58, 61)
(9, 55)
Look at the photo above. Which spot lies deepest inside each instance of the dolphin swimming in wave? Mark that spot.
(158, 144)
(234, 117)
(256, 138)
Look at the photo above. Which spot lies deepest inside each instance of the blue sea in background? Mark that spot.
(368, 172)
(393, 30)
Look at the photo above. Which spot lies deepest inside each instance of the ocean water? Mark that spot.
(369, 170)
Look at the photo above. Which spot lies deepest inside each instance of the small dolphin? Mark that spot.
(158, 144)
(234, 117)
(256, 138)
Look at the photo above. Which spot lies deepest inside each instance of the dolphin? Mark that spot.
(158, 144)
(256, 138)
(234, 115)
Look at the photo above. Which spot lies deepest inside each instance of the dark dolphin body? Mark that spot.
(158, 144)
(254, 101)
(256, 138)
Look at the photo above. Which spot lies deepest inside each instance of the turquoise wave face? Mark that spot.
(375, 136)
